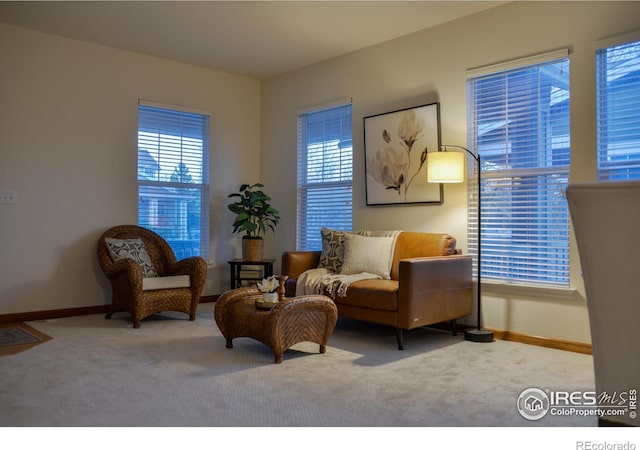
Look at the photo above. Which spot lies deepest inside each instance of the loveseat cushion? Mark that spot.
(373, 294)
(417, 245)
(332, 255)
(333, 248)
(367, 254)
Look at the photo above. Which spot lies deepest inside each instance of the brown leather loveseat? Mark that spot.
(430, 282)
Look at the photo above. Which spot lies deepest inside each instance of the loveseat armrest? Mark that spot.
(434, 289)
(295, 263)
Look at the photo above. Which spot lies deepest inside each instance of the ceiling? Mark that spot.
(258, 39)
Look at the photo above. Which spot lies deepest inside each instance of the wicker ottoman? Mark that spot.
(294, 319)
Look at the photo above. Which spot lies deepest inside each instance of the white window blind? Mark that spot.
(519, 125)
(325, 173)
(618, 97)
(173, 176)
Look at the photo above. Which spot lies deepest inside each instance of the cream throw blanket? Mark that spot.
(321, 281)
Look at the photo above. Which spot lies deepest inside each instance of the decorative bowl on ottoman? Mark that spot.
(267, 301)
(269, 287)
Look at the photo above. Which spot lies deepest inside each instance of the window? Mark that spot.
(519, 125)
(325, 172)
(173, 176)
(618, 96)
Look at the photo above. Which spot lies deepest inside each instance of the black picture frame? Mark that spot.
(395, 147)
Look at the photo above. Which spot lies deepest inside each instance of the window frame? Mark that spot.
(526, 275)
(191, 139)
(611, 114)
(331, 184)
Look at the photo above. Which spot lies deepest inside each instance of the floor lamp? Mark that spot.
(448, 167)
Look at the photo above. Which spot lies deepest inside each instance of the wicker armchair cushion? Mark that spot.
(132, 249)
(170, 282)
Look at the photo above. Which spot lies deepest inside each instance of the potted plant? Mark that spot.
(269, 287)
(254, 216)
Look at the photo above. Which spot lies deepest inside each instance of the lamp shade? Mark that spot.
(445, 167)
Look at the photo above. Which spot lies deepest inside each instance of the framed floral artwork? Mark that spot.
(395, 148)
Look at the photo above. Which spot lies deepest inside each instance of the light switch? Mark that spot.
(8, 197)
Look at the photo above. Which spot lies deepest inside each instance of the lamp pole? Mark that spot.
(477, 334)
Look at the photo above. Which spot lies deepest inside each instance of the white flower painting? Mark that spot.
(396, 146)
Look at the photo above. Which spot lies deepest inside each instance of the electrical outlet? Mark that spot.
(8, 197)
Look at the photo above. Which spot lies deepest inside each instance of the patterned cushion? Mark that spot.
(332, 254)
(132, 249)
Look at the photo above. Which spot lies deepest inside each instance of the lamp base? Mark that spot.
(478, 335)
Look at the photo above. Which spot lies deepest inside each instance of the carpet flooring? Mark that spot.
(175, 373)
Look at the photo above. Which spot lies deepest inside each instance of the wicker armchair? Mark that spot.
(126, 276)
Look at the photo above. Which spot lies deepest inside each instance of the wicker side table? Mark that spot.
(292, 320)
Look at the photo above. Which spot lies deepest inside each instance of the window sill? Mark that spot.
(529, 291)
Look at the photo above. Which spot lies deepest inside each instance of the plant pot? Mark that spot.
(252, 249)
(270, 297)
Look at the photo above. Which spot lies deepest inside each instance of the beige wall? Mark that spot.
(68, 144)
(429, 66)
(68, 125)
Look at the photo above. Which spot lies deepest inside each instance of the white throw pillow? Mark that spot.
(368, 254)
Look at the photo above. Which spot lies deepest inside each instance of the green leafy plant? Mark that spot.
(253, 210)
